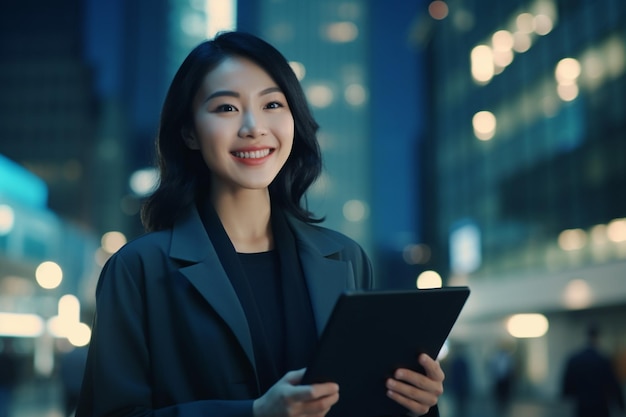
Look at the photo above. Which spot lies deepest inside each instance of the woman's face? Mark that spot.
(243, 126)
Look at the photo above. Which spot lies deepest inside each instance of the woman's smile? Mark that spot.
(252, 156)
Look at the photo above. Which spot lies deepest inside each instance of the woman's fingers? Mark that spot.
(415, 391)
(287, 398)
(432, 367)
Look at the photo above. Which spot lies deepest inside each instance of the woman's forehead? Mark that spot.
(239, 73)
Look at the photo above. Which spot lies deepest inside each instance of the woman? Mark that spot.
(216, 311)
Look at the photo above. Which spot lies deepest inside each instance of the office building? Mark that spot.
(527, 163)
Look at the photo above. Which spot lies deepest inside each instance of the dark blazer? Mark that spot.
(170, 336)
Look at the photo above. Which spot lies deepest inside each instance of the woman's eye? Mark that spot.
(225, 108)
(274, 105)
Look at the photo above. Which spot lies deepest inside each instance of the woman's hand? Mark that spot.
(287, 399)
(417, 392)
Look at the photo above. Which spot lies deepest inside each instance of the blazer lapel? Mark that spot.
(326, 277)
(191, 243)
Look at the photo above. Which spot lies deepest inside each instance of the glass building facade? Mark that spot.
(526, 166)
(528, 146)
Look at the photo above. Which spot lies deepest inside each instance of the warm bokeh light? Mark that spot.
(67, 322)
(341, 32)
(428, 279)
(502, 40)
(299, 69)
(49, 275)
(543, 24)
(438, 10)
(79, 335)
(69, 308)
(320, 95)
(220, 15)
(527, 325)
(503, 58)
(567, 92)
(355, 210)
(484, 123)
(7, 219)
(516, 39)
(567, 71)
(599, 235)
(100, 256)
(572, 239)
(525, 23)
(616, 230)
(355, 94)
(521, 42)
(481, 59)
(21, 325)
(112, 241)
(577, 294)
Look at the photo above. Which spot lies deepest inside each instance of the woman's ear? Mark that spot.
(190, 138)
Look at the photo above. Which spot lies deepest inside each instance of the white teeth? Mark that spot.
(252, 155)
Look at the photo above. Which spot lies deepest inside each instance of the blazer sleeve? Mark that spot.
(117, 380)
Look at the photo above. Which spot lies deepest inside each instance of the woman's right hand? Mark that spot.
(288, 399)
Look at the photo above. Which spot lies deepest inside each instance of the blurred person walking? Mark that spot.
(590, 380)
(502, 371)
(217, 309)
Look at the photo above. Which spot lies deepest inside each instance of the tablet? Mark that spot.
(372, 333)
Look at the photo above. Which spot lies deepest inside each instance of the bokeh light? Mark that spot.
(49, 275)
(527, 325)
(428, 279)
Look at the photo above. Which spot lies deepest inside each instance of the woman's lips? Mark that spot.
(252, 156)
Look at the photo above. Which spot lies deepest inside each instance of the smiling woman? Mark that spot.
(217, 309)
(241, 120)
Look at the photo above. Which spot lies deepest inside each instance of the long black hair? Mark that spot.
(184, 176)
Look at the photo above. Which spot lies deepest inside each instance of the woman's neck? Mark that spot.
(245, 216)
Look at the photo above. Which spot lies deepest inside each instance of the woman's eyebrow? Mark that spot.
(270, 90)
(222, 93)
(229, 93)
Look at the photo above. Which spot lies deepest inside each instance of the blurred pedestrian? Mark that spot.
(9, 375)
(216, 311)
(590, 380)
(502, 371)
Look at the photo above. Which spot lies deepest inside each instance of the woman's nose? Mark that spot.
(251, 126)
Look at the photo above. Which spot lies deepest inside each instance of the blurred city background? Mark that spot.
(466, 142)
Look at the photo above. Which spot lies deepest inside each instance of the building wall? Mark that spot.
(528, 214)
(553, 164)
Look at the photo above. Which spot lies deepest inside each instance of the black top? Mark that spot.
(295, 314)
(263, 273)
